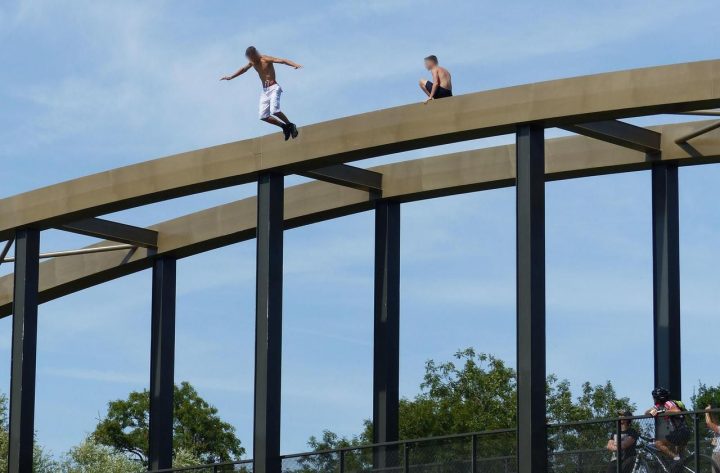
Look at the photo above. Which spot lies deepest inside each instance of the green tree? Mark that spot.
(184, 458)
(42, 463)
(198, 431)
(354, 460)
(705, 396)
(478, 392)
(593, 402)
(91, 457)
(473, 392)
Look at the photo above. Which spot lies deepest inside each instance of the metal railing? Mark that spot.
(579, 447)
(576, 447)
(240, 466)
(451, 453)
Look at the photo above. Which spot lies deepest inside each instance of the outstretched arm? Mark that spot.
(239, 72)
(287, 62)
(709, 421)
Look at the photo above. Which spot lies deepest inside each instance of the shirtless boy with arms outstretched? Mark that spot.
(270, 97)
(441, 84)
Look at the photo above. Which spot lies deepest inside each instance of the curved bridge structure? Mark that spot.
(590, 106)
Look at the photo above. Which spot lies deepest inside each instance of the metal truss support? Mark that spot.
(531, 349)
(268, 323)
(621, 134)
(162, 363)
(82, 251)
(706, 129)
(386, 360)
(349, 176)
(24, 351)
(6, 250)
(702, 113)
(120, 232)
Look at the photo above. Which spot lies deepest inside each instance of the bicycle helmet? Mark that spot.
(661, 395)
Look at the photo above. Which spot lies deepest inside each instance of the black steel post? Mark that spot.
(386, 360)
(24, 351)
(268, 323)
(473, 454)
(666, 278)
(406, 457)
(581, 463)
(162, 364)
(696, 438)
(532, 431)
(618, 446)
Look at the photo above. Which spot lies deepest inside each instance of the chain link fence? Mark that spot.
(669, 443)
(577, 447)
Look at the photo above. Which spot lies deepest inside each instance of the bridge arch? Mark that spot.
(590, 106)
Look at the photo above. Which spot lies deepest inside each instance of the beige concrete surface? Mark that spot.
(488, 168)
(678, 87)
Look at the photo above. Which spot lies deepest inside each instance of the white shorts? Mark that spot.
(270, 100)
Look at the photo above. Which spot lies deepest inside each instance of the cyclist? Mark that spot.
(715, 428)
(628, 440)
(675, 433)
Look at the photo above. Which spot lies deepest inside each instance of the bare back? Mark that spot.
(443, 77)
(265, 69)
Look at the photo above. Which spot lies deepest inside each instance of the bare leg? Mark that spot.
(293, 129)
(283, 117)
(666, 447)
(422, 86)
(274, 121)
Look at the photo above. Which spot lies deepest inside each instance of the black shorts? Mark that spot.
(440, 93)
(679, 437)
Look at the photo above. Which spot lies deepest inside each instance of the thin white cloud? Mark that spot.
(136, 381)
(104, 376)
(141, 66)
(365, 8)
(329, 334)
(146, 85)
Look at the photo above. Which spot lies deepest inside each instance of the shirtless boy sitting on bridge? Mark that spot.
(270, 96)
(441, 84)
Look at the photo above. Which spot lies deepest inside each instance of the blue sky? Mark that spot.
(92, 85)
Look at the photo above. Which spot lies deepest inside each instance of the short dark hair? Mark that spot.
(251, 51)
(432, 58)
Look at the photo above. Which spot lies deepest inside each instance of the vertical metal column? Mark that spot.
(268, 323)
(386, 359)
(24, 350)
(666, 277)
(473, 454)
(531, 436)
(162, 364)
